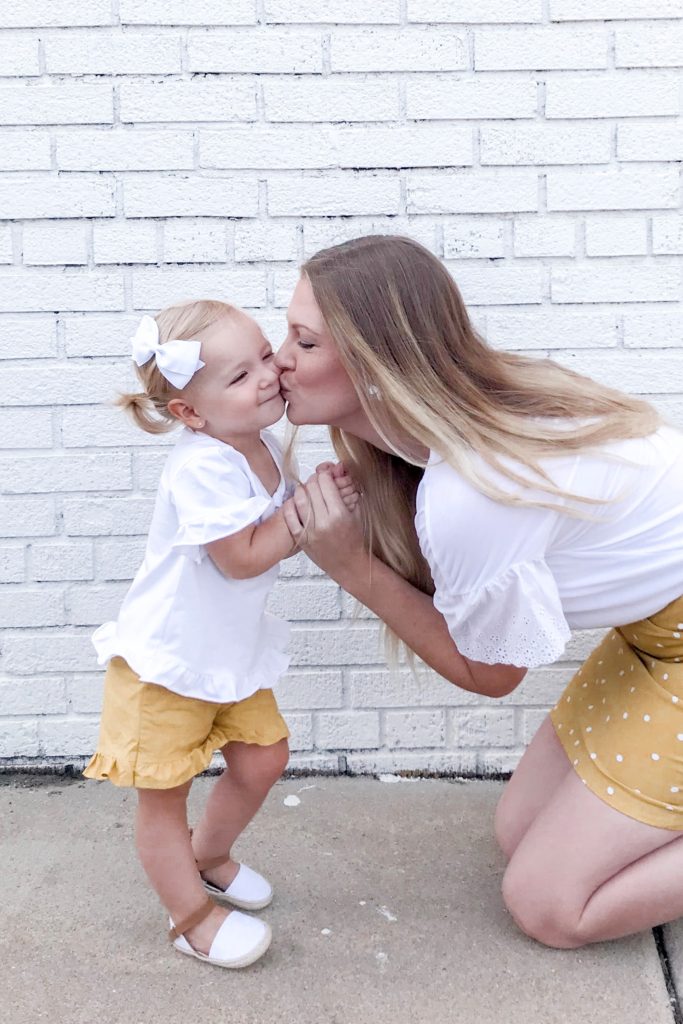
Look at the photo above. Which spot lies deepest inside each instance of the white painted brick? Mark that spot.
(105, 427)
(333, 195)
(609, 189)
(57, 104)
(39, 696)
(107, 53)
(5, 243)
(75, 383)
(650, 141)
(27, 517)
(195, 241)
(189, 195)
(620, 94)
(211, 99)
(69, 737)
(544, 236)
(349, 645)
(26, 428)
(65, 473)
(55, 561)
(545, 144)
(533, 49)
(420, 763)
(475, 238)
(23, 290)
(127, 241)
(12, 565)
(648, 46)
(178, 12)
(380, 688)
(301, 731)
(484, 11)
(154, 289)
(551, 328)
(20, 608)
(671, 409)
(266, 51)
(467, 192)
(265, 240)
(118, 559)
(276, 147)
(653, 328)
(18, 55)
(130, 149)
(22, 338)
(148, 467)
(320, 234)
(616, 236)
(18, 738)
(30, 654)
(55, 242)
(85, 693)
(608, 281)
(98, 336)
(477, 727)
(305, 601)
(104, 517)
(68, 196)
(29, 151)
(347, 730)
(486, 285)
(306, 690)
(532, 719)
(333, 11)
(432, 48)
(635, 372)
(284, 283)
(89, 605)
(332, 98)
(415, 145)
(447, 96)
(594, 10)
(667, 234)
(36, 13)
(415, 728)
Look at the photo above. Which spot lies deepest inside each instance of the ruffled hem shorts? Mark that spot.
(152, 738)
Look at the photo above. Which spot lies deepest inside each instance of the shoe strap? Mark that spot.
(192, 919)
(214, 862)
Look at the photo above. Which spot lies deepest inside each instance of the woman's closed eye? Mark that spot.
(302, 343)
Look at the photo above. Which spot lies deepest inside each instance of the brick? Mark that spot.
(154, 289)
(119, 559)
(108, 53)
(477, 727)
(74, 383)
(653, 328)
(276, 147)
(148, 467)
(551, 328)
(649, 46)
(128, 149)
(448, 763)
(19, 608)
(98, 335)
(57, 197)
(212, 99)
(61, 243)
(415, 145)
(309, 690)
(499, 285)
(266, 51)
(57, 104)
(189, 195)
(336, 195)
(415, 728)
(284, 283)
(485, 11)
(301, 601)
(18, 738)
(347, 730)
(616, 236)
(196, 241)
(65, 473)
(56, 562)
(474, 238)
(607, 281)
(608, 10)
(69, 737)
(23, 290)
(671, 409)
(85, 693)
(29, 151)
(6, 243)
(332, 98)
(127, 241)
(35, 13)
(178, 12)
(634, 372)
(649, 142)
(26, 428)
(620, 189)
(39, 696)
(90, 606)
(320, 234)
(301, 732)
(18, 56)
(37, 653)
(105, 427)
(413, 49)
(104, 517)
(12, 565)
(380, 688)
(550, 47)
(545, 144)
(27, 517)
(446, 96)
(532, 720)
(667, 234)
(334, 12)
(465, 192)
(265, 240)
(621, 94)
(544, 236)
(350, 645)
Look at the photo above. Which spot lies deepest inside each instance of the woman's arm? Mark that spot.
(333, 539)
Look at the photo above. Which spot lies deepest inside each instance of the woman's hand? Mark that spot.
(330, 533)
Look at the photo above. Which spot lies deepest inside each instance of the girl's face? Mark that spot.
(313, 381)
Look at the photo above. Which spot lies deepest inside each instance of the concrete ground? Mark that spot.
(387, 909)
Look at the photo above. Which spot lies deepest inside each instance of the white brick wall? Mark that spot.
(154, 150)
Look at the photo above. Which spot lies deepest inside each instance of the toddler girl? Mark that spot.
(193, 654)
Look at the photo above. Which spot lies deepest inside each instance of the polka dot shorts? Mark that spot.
(620, 720)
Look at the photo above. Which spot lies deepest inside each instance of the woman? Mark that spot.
(548, 502)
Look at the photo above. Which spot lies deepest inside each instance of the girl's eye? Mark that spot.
(268, 356)
(237, 379)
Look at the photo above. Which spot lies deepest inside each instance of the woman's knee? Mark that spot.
(540, 914)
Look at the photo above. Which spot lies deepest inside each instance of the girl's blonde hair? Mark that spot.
(149, 407)
(421, 371)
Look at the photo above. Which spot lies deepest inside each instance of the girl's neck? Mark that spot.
(248, 444)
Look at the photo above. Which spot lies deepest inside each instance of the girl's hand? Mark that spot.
(346, 485)
(330, 533)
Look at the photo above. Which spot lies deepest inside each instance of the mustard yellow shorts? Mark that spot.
(153, 738)
(620, 720)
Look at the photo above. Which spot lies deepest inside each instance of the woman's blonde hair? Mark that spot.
(421, 371)
(149, 407)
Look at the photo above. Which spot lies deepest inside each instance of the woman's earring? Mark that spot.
(373, 391)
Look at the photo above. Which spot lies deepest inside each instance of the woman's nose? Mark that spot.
(283, 356)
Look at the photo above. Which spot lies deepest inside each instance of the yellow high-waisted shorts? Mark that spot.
(153, 738)
(620, 720)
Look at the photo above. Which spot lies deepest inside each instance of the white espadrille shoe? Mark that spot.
(240, 940)
(248, 890)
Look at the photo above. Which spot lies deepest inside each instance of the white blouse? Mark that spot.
(183, 624)
(513, 581)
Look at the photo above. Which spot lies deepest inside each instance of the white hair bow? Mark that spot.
(177, 360)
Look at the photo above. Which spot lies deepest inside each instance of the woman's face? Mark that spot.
(313, 381)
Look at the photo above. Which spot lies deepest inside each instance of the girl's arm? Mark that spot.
(333, 539)
(255, 549)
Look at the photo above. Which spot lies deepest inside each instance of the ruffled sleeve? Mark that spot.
(213, 498)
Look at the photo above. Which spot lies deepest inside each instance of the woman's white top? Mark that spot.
(183, 623)
(513, 581)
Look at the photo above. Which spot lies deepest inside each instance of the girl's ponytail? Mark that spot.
(141, 407)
